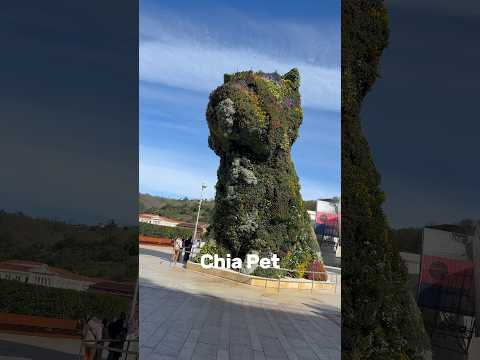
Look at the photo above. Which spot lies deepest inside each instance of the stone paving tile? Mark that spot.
(146, 330)
(280, 337)
(210, 335)
(239, 336)
(241, 352)
(145, 352)
(189, 346)
(222, 354)
(155, 356)
(258, 355)
(272, 347)
(168, 349)
(224, 338)
(306, 354)
(204, 352)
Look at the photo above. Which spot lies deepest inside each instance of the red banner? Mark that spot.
(326, 218)
(448, 273)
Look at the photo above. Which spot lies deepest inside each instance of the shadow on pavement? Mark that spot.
(160, 253)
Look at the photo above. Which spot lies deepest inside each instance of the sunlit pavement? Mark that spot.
(189, 316)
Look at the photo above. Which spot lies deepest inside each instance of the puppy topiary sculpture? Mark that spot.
(254, 120)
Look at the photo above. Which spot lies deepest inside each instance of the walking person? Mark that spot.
(188, 249)
(118, 333)
(99, 352)
(92, 333)
(177, 249)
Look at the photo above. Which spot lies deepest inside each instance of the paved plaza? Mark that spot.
(192, 316)
(20, 347)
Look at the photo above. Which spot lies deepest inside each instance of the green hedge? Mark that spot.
(165, 231)
(210, 248)
(27, 299)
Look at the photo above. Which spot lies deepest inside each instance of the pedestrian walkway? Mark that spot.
(193, 316)
(20, 349)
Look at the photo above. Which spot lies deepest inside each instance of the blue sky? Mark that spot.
(187, 46)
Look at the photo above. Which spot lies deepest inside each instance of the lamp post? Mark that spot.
(204, 186)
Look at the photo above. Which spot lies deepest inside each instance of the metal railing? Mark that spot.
(103, 344)
(302, 279)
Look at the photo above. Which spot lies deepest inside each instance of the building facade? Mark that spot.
(157, 220)
(327, 229)
(35, 273)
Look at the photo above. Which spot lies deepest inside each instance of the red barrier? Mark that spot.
(39, 325)
(151, 240)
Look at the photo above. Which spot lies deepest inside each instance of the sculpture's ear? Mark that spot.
(294, 77)
(227, 78)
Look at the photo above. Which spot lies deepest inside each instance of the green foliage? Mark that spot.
(300, 259)
(380, 319)
(253, 120)
(210, 248)
(179, 209)
(408, 239)
(165, 231)
(108, 252)
(310, 205)
(270, 273)
(27, 299)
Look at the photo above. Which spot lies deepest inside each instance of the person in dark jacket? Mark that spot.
(188, 247)
(118, 332)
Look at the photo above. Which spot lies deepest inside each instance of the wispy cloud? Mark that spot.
(198, 68)
(190, 56)
(317, 43)
(183, 58)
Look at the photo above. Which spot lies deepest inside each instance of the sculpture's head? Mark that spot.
(255, 114)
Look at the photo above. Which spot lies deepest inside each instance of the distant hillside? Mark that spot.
(310, 204)
(181, 209)
(185, 209)
(108, 252)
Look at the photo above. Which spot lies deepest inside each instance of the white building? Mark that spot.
(412, 262)
(157, 220)
(31, 272)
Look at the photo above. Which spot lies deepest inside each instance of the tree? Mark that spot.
(380, 318)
